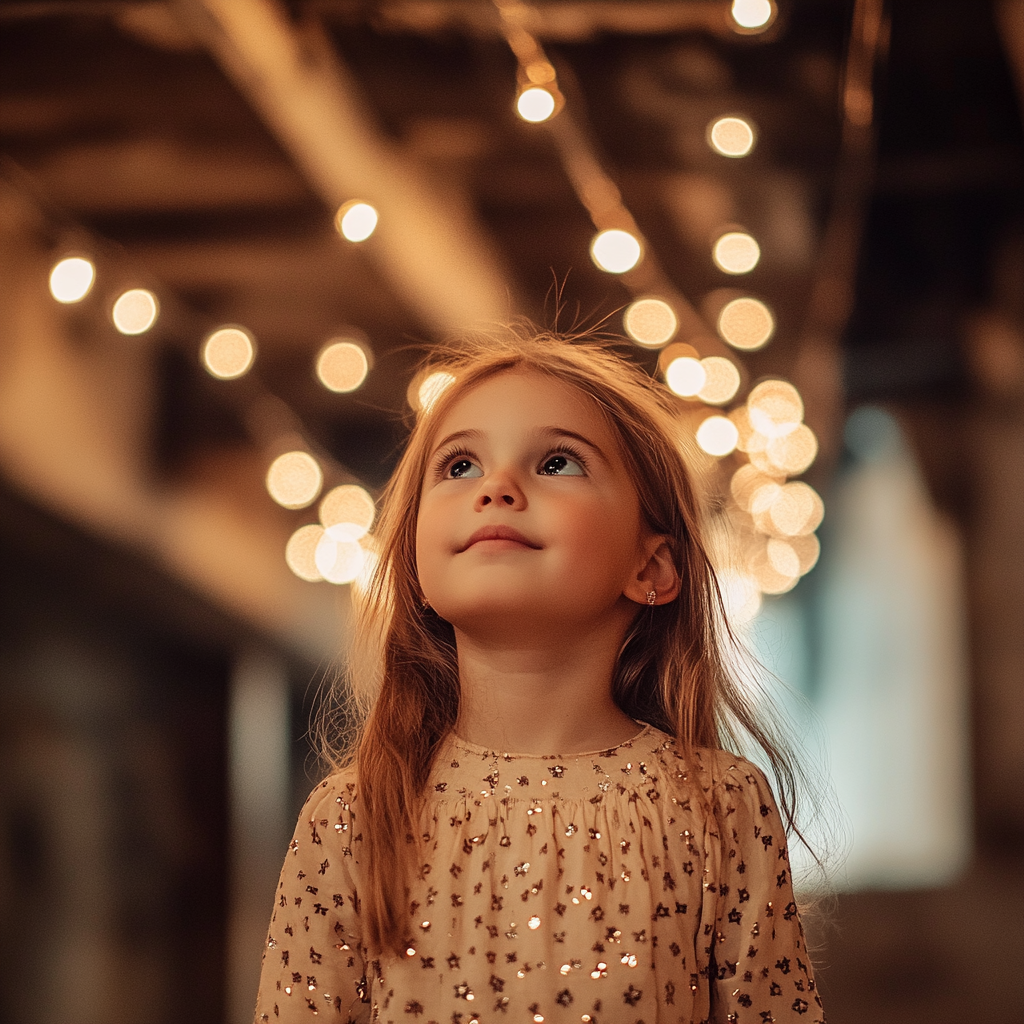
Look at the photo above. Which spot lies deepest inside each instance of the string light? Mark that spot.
(342, 366)
(135, 311)
(347, 512)
(717, 436)
(228, 352)
(650, 322)
(294, 479)
(71, 279)
(753, 15)
(535, 104)
(746, 324)
(615, 251)
(731, 136)
(356, 220)
(736, 252)
(685, 376)
(722, 380)
(300, 552)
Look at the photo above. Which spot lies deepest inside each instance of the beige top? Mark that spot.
(584, 888)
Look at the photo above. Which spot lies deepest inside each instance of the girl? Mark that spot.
(538, 820)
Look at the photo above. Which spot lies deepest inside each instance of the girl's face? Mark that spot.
(527, 515)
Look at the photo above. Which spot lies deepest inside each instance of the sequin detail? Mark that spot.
(590, 887)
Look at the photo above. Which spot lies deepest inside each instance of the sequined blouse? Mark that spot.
(593, 887)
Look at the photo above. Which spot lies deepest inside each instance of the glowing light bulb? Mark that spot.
(347, 512)
(717, 435)
(731, 136)
(71, 279)
(615, 251)
(294, 479)
(228, 352)
(356, 220)
(736, 252)
(342, 366)
(650, 322)
(300, 552)
(685, 376)
(746, 324)
(752, 14)
(432, 387)
(135, 311)
(722, 380)
(535, 104)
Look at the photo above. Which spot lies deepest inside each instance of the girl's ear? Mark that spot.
(657, 576)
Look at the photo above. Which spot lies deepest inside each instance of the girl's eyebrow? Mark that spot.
(459, 435)
(553, 432)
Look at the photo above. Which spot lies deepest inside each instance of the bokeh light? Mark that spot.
(135, 311)
(741, 596)
(342, 366)
(752, 14)
(746, 323)
(650, 322)
(535, 104)
(431, 388)
(775, 408)
(300, 552)
(717, 436)
(769, 579)
(294, 479)
(615, 251)
(347, 512)
(339, 561)
(736, 252)
(228, 352)
(356, 220)
(71, 279)
(745, 483)
(685, 376)
(796, 510)
(722, 380)
(794, 452)
(731, 136)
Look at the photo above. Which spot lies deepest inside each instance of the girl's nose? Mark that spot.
(500, 489)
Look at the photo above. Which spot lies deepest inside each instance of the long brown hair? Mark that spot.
(673, 670)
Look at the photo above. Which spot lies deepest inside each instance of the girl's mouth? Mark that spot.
(501, 533)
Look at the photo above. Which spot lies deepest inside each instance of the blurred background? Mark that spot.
(229, 232)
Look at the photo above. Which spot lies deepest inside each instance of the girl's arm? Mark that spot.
(759, 967)
(313, 962)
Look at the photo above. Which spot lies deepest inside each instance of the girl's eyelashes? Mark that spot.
(565, 460)
(461, 463)
(456, 464)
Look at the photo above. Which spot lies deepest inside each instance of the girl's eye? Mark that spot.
(460, 469)
(561, 465)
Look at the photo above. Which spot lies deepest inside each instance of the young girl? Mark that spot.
(538, 820)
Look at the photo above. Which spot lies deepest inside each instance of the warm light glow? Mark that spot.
(722, 380)
(807, 549)
(432, 387)
(535, 104)
(717, 435)
(347, 512)
(71, 279)
(796, 510)
(615, 251)
(300, 552)
(752, 14)
(135, 311)
(228, 352)
(339, 561)
(746, 323)
(650, 322)
(342, 366)
(794, 452)
(775, 408)
(356, 220)
(746, 482)
(731, 136)
(769, 579)
(782, 557)
(741, 595)
(736, 252)
(685, 376)
(294, 479)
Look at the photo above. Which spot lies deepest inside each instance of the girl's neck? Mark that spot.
(541, 698)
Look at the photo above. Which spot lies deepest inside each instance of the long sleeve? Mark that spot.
(313, 962)
(759, 967)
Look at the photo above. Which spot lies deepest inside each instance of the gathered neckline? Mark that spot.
(475, 748)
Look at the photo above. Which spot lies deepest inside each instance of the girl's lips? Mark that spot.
(499, 533)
